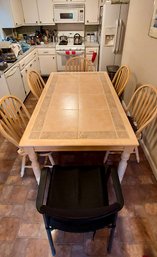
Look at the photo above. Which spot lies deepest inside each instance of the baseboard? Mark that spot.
(149, 158)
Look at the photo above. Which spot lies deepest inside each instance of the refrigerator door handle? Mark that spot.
(121, 36)
(116, 36)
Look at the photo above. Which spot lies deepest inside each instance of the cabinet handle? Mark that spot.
(87, 21)
(40, 21)
(30, 65)
(36, 21)
(46, 52)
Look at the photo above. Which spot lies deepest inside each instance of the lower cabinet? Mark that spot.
(92, 55)
(30, 62)
(47, 61)
(3, 87)
(15, 83)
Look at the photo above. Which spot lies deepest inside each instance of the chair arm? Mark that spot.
(117, 187)
(43, 188)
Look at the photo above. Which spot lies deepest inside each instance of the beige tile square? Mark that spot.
(67, 84)
(65, 101)
(92, 101)
(95, 120)
(90, 87)
(61, 120)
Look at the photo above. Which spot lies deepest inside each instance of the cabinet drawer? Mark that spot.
(46, 51)
(90, 50)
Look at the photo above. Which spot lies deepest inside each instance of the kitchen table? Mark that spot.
(78, 111)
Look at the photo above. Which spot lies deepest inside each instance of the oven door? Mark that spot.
(65, 15)
(62, 58)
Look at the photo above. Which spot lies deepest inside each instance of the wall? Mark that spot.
(140, 53)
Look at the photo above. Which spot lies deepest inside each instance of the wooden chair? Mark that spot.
(79, 199)
(120, 79)
(76, 64)
(141, 111)
(35, 82)
(13, 120)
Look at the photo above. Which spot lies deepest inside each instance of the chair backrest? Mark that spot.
(143, 107)
(13, 118)
(35, 82)
(78, 64)
(120, 79)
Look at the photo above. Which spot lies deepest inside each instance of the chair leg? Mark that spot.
(137, 154)
(106, 156)
(111, 236)
(23, 165)
(48, 230)
(51, 159)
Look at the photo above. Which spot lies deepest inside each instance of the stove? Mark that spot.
(66, 51)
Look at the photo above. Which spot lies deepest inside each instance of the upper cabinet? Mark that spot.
(38, 11)
(92, 12)
(11, 13)
(69, 1)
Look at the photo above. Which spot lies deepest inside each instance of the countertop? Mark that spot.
(21, 56)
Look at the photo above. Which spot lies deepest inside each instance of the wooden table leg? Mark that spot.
(123, 163)
(35, 164)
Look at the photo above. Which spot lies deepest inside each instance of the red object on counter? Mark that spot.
(67, 52)
(73, 52)
(94, 56)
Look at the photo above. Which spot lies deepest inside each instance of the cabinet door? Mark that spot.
(3, 87)
(24, 78)
(15, 83)
(92, 12)
(30, 11)
(47, 64)
(45, 9)
(35, 65)
(17, 11)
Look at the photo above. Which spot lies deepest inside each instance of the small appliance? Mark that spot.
(77, 39)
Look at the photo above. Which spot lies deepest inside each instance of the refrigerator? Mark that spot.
(113, 19)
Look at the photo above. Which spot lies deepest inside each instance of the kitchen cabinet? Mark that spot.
(92, 12)
(3, 86)
(11, 13)
(47, 60)
(38, 11)
(89, 55)
(14, 82)
(30, 62)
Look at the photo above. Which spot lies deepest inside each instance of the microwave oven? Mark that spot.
(68, 13)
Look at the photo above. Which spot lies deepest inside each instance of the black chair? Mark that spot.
(79, 199)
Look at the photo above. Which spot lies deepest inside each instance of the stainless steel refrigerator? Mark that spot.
(111, 33)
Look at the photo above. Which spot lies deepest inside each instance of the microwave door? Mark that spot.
(66, 16)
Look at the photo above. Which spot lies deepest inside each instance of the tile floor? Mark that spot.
(22, 232)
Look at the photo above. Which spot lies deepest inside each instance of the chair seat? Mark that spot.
(77, 195)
